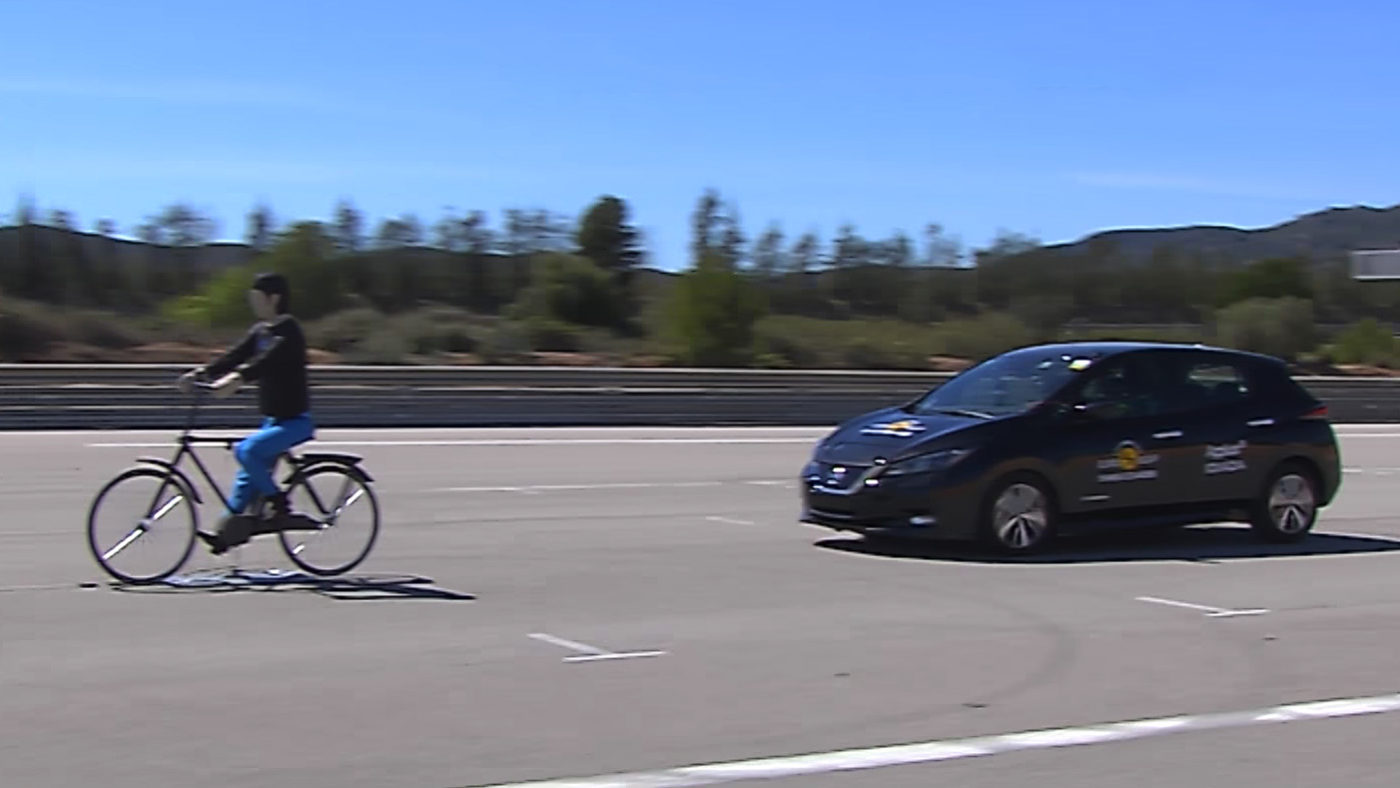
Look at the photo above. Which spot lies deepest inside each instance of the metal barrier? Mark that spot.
(141, 396)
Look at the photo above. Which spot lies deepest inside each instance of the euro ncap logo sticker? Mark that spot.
(1127, 464)
(903, 428)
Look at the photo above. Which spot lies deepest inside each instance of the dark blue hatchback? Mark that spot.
(1062, 437)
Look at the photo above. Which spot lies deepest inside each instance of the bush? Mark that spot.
(28, 329)
(1364, 342)
(713, 315)
(1281, 327)
(553, 336)
(984, 336)
(344, 331)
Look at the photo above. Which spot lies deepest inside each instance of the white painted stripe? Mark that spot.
(614, 656)
(1213, 612)
(530, 488)
(1174, 603)
(975, 747)
(569, 644)
(491, 442)
(591, 653)
(730, 520)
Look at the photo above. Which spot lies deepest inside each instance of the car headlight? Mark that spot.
(926, 463)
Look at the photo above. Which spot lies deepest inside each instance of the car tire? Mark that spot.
(1020, 515)
(1286, 509)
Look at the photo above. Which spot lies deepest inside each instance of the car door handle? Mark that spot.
(1164, 435)
(1261, 423)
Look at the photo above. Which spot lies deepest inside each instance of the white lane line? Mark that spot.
(532, 488)
(975, 747)
(489, 442)
(1210, 611)
(573, 645)
(589, 653)
(730, 520)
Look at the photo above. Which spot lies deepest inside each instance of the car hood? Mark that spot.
(890, 433)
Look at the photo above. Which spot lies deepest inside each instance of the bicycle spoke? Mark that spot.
(123, 544)
(140, 530)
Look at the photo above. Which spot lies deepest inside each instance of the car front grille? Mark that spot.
(838, 477)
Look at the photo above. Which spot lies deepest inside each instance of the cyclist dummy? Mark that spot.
(272, 353)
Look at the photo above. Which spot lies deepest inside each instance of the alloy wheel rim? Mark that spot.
(1021, 518)
(1291, 503)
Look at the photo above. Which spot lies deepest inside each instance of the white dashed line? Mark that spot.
(591, 653)
(976, 747)
(491, 442)
(730, 520)
(533, 488)
(1212, 612)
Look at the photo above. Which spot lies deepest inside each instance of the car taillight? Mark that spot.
(1319, 412)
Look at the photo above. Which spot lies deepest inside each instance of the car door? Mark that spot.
(1210, 396)
(1117, 452)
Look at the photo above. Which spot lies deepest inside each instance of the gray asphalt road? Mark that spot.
(778, 639)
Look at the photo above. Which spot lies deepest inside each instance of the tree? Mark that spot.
(186, 226)
(714, 312)
(349, 227)
(768, 253)
(1276, 277)
(941, 251)
(704, 223)
(303, 254)
(605, 236)
(61, 219)
(261, 227)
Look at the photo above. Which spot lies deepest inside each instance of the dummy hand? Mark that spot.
(227, 385)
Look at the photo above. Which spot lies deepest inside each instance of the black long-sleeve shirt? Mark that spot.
(274, 355)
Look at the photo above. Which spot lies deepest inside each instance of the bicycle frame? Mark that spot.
(188, 440)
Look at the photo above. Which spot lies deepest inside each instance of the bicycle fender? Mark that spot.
(176, 472)
(350, 468)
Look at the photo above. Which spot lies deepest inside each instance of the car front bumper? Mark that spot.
(920, 505)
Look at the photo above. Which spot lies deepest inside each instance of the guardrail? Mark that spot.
(142, 396)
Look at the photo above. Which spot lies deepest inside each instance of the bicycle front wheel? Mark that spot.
(141, 526)
(339, 501)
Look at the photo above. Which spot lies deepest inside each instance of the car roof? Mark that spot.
(1105, 348)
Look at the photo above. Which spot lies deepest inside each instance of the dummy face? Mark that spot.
(264, 306)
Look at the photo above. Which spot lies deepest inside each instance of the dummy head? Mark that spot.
(269, 296)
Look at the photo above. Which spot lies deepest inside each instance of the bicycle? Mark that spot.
(168, 475)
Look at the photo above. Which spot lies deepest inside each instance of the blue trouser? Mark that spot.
(257, 452)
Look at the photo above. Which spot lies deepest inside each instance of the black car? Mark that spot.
(1065, 437)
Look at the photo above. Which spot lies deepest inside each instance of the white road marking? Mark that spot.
(532, 488)
(975, 747)
(591, 653)
(569, 644)
(488, 442)
(730, 520)
(1212, 612)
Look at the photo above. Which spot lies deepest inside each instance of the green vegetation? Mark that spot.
(543, 289)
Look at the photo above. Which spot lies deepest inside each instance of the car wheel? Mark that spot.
(1019, 516)
(1287, 508)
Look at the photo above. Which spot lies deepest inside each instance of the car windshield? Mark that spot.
(1005, 385)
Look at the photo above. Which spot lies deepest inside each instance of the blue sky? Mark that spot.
(1050, 119)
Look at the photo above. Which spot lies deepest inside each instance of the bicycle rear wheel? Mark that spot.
(136, 516)
(338, 498)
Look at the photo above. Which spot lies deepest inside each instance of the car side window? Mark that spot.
(1120, 392)
(1207, 384)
